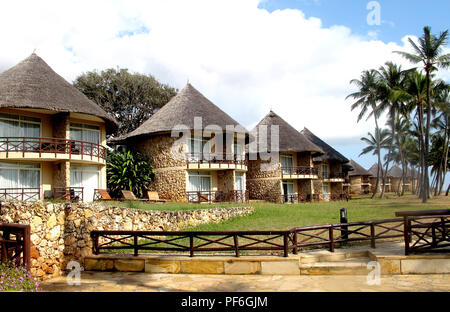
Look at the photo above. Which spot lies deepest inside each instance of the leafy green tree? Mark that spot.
(429, 53)
(131, 98)
(128, 171)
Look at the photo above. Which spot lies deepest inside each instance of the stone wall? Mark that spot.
(264, 180)
(61, 232)
(158, 149)
(170, 184)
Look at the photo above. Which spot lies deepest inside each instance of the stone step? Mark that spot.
(326, 256)
(352, 266)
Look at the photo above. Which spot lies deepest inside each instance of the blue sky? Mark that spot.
(398, 17)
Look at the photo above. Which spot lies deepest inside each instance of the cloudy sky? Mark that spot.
(247, 56)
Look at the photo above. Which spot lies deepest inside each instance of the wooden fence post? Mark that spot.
(372, 235)
(236, 245)
(286, 243)
(330, 232)
(294, 241)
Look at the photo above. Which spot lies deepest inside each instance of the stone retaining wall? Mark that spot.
(61, 232)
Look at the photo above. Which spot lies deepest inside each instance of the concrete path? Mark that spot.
(141, 282)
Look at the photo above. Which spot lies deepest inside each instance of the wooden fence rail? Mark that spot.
(322, 235)
(15, 244)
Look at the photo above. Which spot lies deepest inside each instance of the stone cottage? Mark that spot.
(52, 137)
(329, 186)
(373, 179)
(359, 179)
(289, 174)
(196, 150)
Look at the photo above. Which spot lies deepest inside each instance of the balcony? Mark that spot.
(20, 194)
(334, 177)
(215, 161)
(32, 148)
(299, 198)
(217, 196)
(299, 173)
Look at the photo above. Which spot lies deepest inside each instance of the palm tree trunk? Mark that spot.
(446, 148)
(379, 159)
(391, 146)
(426, 150)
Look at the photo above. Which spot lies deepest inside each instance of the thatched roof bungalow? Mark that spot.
(50, 133)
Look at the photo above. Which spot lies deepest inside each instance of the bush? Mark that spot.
(128, 171)
(13, 278)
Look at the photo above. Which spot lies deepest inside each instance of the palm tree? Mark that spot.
(442, 125)
(367, 97)
(375, 144)
(391, 81)
(415, 93)
(429, 52)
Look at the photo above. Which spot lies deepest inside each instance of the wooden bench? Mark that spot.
(101, 195)
(129, 195)
(154, 197)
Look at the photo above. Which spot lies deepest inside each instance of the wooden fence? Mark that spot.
(236, 241)
(15, 244)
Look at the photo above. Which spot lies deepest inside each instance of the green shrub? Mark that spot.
(13, 278)
(128, 171)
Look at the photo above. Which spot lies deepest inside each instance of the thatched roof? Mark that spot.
(290, 140)
(329, 152)
(395, 172)
(181, 110)
(358, 170)
(374, 170)
(33, 84)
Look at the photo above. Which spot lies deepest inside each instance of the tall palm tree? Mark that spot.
(442, 125)
(391, 81)
(415, 93)
(375, 143)
(429, 52)
(367, 98)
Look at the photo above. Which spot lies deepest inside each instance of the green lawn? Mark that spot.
(169, 206)
(269, 216)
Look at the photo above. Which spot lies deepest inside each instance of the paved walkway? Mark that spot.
(141, 282)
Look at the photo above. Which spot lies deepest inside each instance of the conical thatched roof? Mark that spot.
(181, 110)
(33, 84)
(358, 170)
(290, 140)
(374, 170)
(329, 152)
(395, 172)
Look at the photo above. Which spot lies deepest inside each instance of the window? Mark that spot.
(19, 126)
(197, 148)
(87, 177)
(20, 175)
(287, 164)
(199, 181)
(239, 181)
(326, 191)
(84, 132)
(325, 174)
(288, 187)
(238, 150)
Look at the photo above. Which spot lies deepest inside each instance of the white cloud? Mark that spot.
(245, 59)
